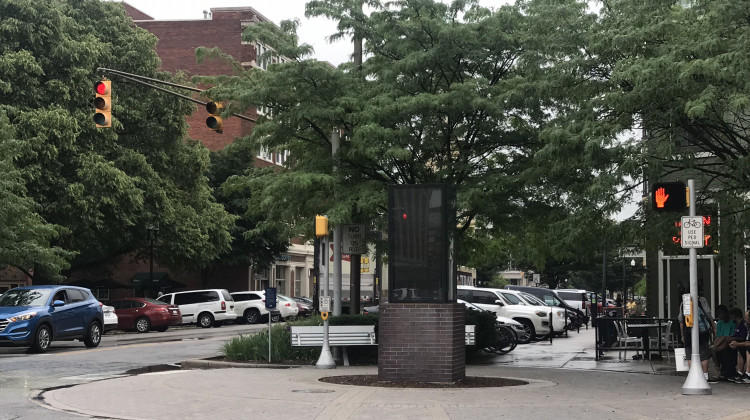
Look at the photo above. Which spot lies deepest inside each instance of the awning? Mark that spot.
(98, 284)
(160, 280)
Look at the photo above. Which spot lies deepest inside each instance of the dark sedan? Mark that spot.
(144, 314)
(305, 306)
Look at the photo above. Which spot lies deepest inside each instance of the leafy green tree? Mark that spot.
(25, 238)
(101, 187)
(253, 243)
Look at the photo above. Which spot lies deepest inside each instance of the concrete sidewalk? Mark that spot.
(564, 382)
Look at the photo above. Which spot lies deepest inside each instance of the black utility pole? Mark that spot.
(316, 276)
(152, 230)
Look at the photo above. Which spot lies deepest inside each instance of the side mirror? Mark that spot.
(58, 303)
(499, 303)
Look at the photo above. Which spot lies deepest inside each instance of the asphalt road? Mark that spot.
(23, 375)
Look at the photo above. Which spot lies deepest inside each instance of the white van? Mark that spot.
(206, 308)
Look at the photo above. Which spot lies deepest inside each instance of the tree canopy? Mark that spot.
(100, 187)
(445, 95)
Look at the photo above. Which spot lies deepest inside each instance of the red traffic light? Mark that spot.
(101, 88)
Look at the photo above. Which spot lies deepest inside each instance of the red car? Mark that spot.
(144, 314)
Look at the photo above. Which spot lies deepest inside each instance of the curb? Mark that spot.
(215, 364)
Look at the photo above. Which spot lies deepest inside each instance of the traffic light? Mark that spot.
(669, 196)
(103, 104)
(321, 226)
(213, 122)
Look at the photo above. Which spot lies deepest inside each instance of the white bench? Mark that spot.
(348, 335)
(338, 335)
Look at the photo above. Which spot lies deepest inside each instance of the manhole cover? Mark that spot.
(314, 391)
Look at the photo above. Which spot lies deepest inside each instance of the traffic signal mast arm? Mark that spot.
(140, 79)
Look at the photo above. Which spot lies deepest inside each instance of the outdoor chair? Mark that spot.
(667, 339)
(624, 340)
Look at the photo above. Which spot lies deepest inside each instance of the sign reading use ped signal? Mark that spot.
(692, 231)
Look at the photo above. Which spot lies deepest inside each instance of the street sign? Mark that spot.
(354, 240)
(537, 278)
(325, 304)
(692, 232)
(270, 298)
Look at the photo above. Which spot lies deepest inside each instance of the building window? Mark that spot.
(264, 154)
(281, 157)
(100, 294)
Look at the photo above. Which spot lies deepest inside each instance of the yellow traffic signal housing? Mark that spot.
(103, 104)
(214, 122)
(321, 226)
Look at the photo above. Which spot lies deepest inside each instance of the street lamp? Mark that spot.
(152, 230)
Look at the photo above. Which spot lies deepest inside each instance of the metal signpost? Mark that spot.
(325, 361)
(270, 305)
(354, 240)
(692, 238)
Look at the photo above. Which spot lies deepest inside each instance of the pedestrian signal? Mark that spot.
(669, 196)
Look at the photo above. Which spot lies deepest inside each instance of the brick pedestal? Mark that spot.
(421, 342)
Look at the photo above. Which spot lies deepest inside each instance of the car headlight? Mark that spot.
(542, 314)
(23, 317)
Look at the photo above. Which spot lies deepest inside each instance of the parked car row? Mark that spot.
(35, 316)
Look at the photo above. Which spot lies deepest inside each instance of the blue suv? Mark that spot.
(35, 315)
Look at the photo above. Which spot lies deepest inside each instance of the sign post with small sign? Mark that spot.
(354, 242)
(692, 238)
(270, 305)
(692, 231)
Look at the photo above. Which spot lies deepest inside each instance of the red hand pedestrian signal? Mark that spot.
(669, 196)
(661, 198)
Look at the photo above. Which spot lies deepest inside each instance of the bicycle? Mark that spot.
(506, 340)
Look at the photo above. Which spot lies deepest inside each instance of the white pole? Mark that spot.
(325, 361)
(695, 383)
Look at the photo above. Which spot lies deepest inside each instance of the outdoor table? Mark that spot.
(644, 334)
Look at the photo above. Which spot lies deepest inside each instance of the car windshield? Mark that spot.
(531, 299)
(25, 297)
(469, 305)
(154, 301)
(513, 299)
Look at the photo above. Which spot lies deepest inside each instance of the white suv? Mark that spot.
(251, 305)
(206, 308)
(535, 319)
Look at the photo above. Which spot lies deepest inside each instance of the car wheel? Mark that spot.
(252, 316)
(93, 335)
(276, 318)
(205, 320)
(42, 339)
(142, 324)
(528, 331)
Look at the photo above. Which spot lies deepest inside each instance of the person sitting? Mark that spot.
(732, 321)
(742, 345)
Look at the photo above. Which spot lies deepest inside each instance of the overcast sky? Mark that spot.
(311, 31)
